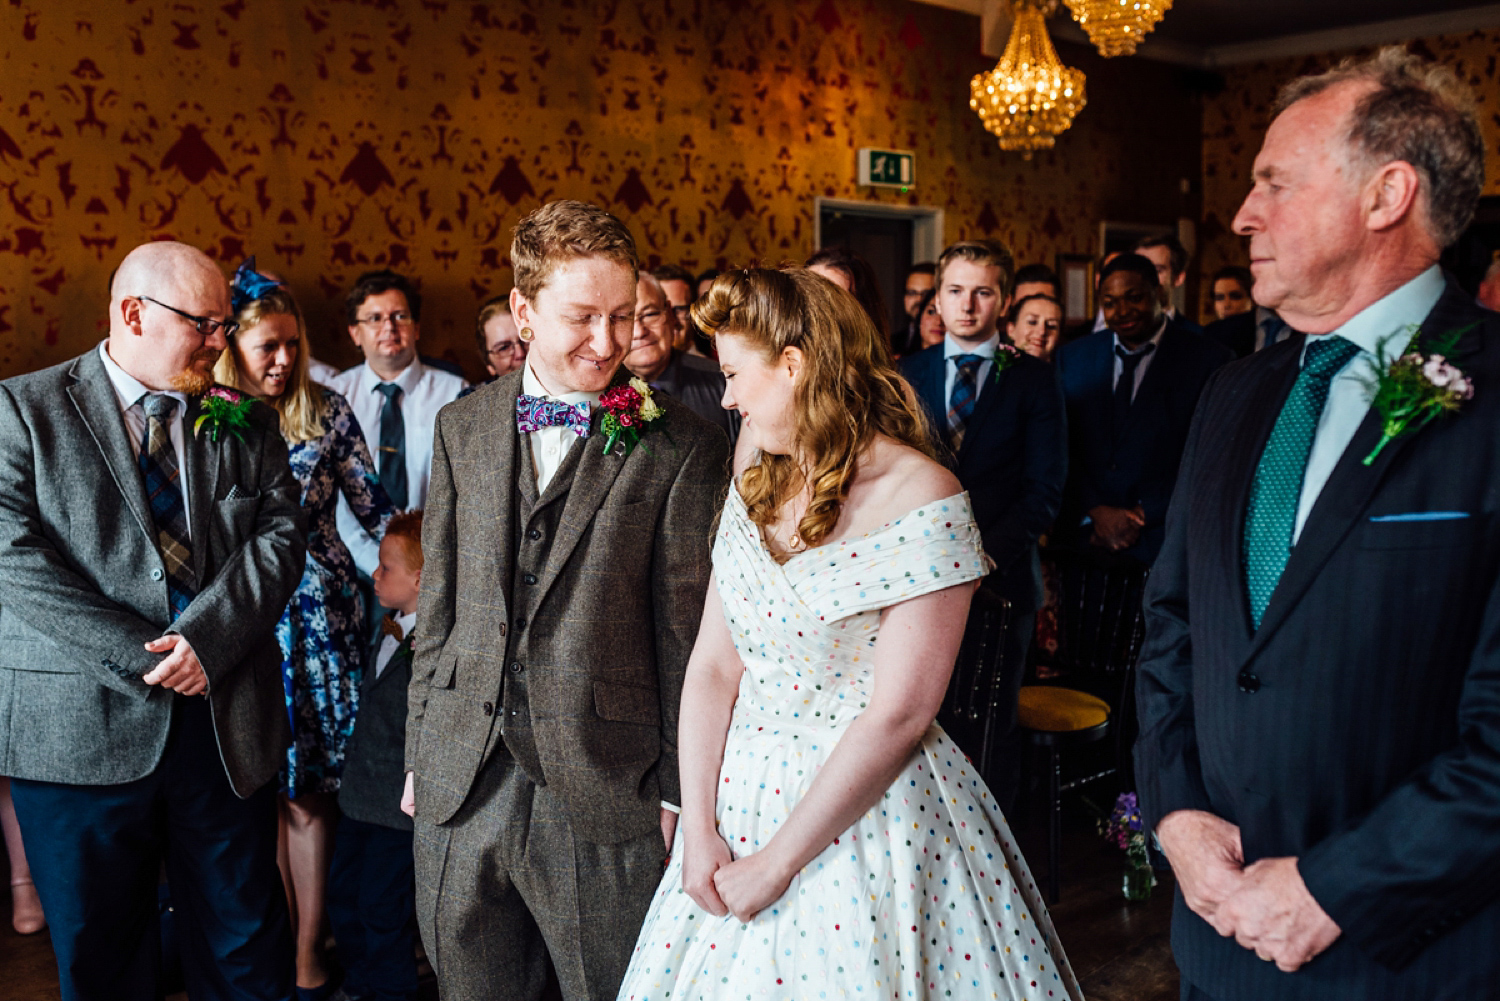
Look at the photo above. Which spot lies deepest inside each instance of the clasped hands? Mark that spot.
(180, 671)
(721, 884)
(1116, 528)
(1265, 907)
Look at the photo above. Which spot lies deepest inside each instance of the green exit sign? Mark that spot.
(887, 168)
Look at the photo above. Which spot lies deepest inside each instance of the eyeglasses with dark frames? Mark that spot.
(205, 325)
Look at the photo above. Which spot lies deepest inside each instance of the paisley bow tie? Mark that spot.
(534, 412)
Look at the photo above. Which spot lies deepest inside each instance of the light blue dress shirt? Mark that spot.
(952, 349)
(1392, 321)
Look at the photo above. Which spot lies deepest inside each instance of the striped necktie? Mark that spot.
(1271, 518)
(158, 462)
(965, 394)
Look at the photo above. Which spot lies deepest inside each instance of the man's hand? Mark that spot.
(1273, 914)
(409, 796)
(1206, 858)
(181, 671)
(1117, 528)
(668, 826)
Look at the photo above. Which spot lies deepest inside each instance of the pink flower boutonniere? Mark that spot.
(628, 412)
(1006, 355)
(224, 410)
(1416, 388)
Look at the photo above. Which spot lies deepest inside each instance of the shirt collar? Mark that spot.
(128, 388)
(407, 380)
(532, 386)
(406, 622)
(952, 349)
(1155, 338)
(1393, 319)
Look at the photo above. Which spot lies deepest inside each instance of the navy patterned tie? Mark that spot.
(965, 394)
(158, 462)
(1271, 518)
(392, 445)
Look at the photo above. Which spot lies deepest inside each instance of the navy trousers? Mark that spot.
(372, 909)
(96, 853)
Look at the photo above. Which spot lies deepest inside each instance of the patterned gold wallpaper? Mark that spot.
(1235, 121)
(332, 136)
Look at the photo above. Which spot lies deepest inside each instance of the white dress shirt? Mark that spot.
(1140, 366)
(388, 643)
(952, 349)
(424, 391)
(549, 445)
(130, 392)
(1392, 321)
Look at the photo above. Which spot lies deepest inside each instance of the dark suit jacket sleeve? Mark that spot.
(1429, 854)
(43, 588)
(1168, 774)
(680, 567)
(1013, 533)
(435, 608)
(252, 585)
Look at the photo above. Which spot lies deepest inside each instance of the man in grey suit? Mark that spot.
(561, 593)
(145, 556)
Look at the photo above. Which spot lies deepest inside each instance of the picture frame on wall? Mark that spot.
(1076, 273)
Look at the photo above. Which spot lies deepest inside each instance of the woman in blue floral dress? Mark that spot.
(322, 632)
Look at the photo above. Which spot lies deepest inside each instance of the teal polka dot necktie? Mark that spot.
(1274, 496)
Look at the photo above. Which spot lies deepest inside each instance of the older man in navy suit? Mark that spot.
(1320, 684)
(998, 413)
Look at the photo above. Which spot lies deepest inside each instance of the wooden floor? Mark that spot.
(1119, 950)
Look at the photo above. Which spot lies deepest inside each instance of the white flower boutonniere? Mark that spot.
(1417, 387)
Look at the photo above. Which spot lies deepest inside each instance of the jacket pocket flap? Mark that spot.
(443, 676)
(627, 703)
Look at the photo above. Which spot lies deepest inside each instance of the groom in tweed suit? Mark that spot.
(143, 565)
(560, 600)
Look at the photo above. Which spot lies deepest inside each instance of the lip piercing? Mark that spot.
(598, 367)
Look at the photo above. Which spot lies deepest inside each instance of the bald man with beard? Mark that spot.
(144, 560)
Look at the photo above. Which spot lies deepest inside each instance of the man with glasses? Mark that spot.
(499, 338)
(696, 382)
(395, 397)
(147, 548)
(681, 291)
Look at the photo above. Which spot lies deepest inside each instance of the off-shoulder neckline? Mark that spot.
(734, 488)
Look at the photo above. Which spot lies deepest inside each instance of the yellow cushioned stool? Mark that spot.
(1059, 710)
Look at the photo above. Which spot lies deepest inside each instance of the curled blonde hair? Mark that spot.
(563, 231)
(301, 407)
(848, 390)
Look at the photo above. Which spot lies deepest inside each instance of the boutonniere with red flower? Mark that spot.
(629, 411)
(1006, 355)
(224, 409)
(1417, 387)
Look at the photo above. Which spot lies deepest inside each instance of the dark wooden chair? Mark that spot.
(1088, 696)
(969, 709)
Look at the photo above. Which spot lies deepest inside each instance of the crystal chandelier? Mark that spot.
(1116, 27)
(1030, 97)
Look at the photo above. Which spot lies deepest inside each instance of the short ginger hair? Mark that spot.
(563, 231)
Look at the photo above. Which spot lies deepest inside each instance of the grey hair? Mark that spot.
(1417, 112)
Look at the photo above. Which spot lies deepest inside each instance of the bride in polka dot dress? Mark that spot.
(834, 843)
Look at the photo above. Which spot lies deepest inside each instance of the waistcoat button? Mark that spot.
(515, 667)
(534, 534)
(529, 578)
(489, 708)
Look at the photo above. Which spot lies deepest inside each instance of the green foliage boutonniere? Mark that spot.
(1006, 355)
(224, 410)
(1417, 387)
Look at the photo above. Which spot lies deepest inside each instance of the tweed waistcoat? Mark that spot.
(537, 519)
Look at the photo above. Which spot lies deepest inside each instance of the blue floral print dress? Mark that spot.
(322, 632)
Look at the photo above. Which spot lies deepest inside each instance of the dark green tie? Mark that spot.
(1271, 517)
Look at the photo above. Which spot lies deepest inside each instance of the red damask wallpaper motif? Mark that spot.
(332, 136)
(1235, 122)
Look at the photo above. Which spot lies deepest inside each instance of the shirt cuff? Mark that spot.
(671, 806)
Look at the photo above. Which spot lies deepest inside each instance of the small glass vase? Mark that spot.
(1138, 882)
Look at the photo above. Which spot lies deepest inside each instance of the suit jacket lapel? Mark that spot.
(94, 397)
(201, 455)
(991, 389)
(1346, 495)
(506, 459)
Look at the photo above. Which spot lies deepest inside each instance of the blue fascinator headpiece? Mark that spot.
(248, 285)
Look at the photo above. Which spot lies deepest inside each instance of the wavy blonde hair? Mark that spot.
(847, 392)
(301, 407)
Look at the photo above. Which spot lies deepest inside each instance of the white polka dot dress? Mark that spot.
(926, 895)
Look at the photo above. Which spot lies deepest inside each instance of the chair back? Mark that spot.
(970, 708)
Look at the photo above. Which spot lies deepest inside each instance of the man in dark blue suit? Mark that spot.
(1131, 390)
(1171, 259)
(1319, 688)
(998, 414)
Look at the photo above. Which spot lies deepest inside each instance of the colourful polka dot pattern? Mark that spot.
(926, 896)
(1271, 515)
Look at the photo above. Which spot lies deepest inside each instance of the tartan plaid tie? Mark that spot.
(1275, 494)
(965, 394)
(158, 463)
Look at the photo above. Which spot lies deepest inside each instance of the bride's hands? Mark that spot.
(749, 885)
(703, 855)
